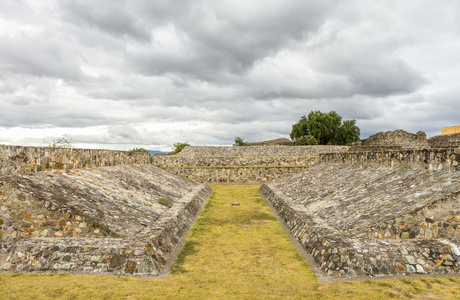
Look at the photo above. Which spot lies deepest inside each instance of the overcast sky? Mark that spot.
(123, 74)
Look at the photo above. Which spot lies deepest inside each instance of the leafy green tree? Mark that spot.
(326, 128)
(240, 142)
(306, 140)
(347, 134)
(178, 147)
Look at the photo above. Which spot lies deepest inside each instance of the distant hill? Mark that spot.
(152, 152)
(276, 142)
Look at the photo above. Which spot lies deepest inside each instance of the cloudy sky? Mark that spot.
(123, 74)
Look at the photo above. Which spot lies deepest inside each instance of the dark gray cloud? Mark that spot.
(151, 73)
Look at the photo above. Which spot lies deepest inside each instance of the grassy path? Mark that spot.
(233, 252)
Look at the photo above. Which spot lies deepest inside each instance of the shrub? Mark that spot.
(178, 147)
(240, 142)
(61, 142)
(139, 150)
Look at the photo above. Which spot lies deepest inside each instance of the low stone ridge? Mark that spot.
(445, 141)
(376, 221)
(20, 160)
(396, 138)
(123, 219)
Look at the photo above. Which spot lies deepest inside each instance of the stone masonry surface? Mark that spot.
(377, 221)
(445, 141)
(398, 137)
(18, 159)
(122, 219)
(432, 159)
(259, 150)
(243, 164)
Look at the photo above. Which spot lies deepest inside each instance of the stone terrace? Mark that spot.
(242, 164)
(225, 151)
(378, 221)
(123, 219)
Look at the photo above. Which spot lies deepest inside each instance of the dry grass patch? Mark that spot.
(233, 252)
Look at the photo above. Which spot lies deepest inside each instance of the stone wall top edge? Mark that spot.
(57, 148)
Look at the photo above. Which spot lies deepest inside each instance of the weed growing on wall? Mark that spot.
(60, 142)
(178, 147)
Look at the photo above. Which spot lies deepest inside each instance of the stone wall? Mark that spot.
(432, 159)
(231, 161)
(238, 174)
(122, 219)
(243, 164)
(18, 159)
(445, 141)
(398, 137)
(221, 151)
(362, 220)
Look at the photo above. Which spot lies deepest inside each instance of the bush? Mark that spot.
(142, 150)
(240, 142)
(61, 142)
(306, 140)
(139, 150)
(178, 147)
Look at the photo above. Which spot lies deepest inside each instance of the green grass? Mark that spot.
(165, 201)
(233, 252)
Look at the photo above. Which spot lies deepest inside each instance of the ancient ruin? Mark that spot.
(122, 219)
(386, 206)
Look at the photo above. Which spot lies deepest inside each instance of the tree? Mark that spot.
(326, 128)
(306, 140)
(347, 134)
(240, 142)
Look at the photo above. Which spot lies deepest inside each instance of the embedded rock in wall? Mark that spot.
(396, 138)
(123, 219)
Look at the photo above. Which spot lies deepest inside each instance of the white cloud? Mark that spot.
(151, 73)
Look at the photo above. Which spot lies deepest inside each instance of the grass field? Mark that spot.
(233, 252)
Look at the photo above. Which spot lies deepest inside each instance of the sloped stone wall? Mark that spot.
(19, 159)
(361, 220)
(123, 219)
